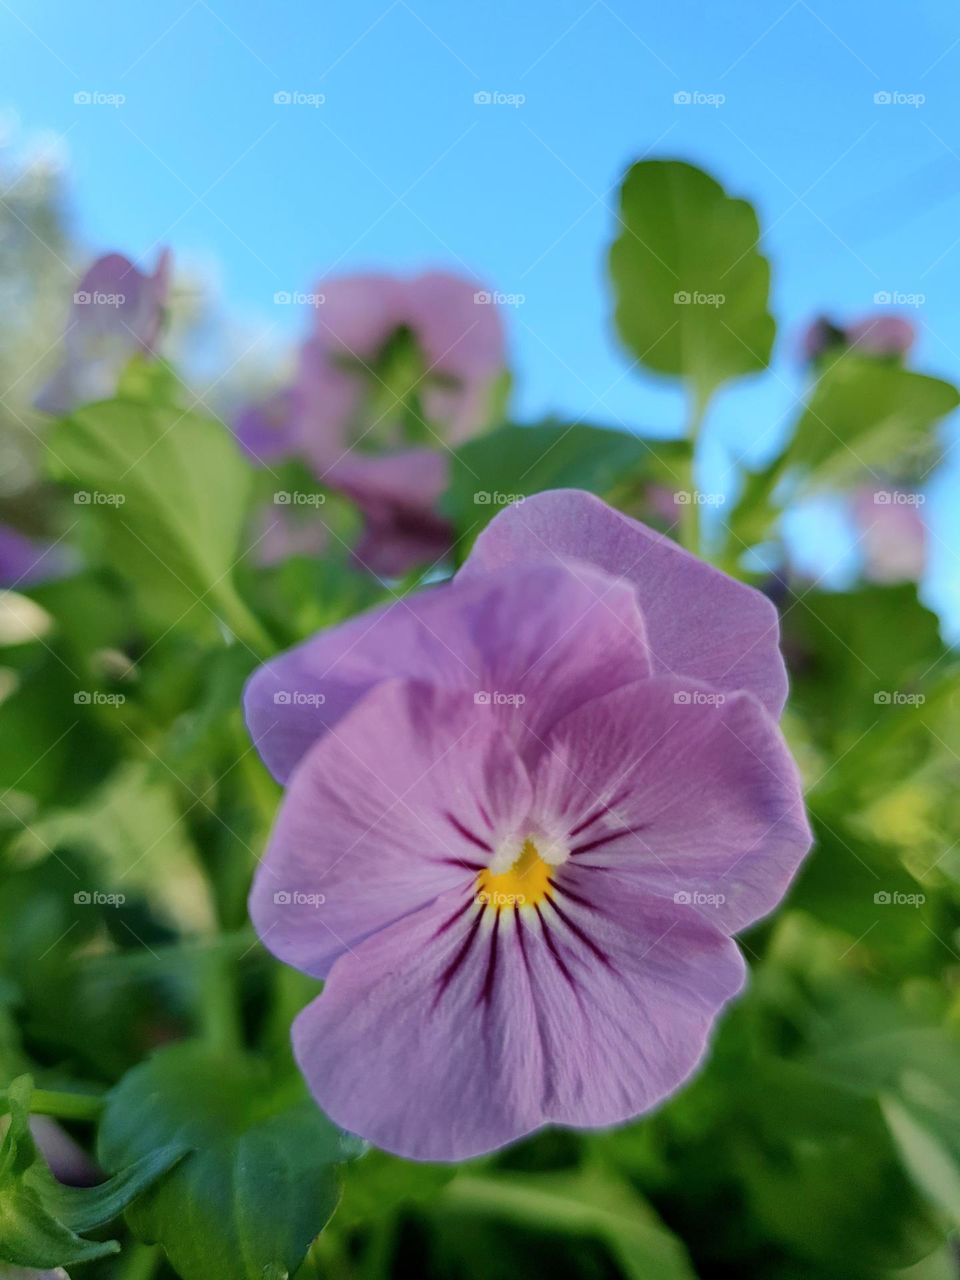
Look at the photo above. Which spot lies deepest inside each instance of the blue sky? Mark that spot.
(399, 166)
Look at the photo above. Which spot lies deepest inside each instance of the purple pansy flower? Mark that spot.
(881, 334)
(401, 365)
(25, 561)
(27, 1273)
(521, 825)
(117, 311)
(893, 535)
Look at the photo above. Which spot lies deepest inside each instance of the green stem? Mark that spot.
(65, 1106)
(140, 1262)
(690, 515)
(243, 622)
(219, 1003)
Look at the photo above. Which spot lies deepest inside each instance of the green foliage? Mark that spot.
(167, 492)
(515, 462)
(260, 1181)
(691, 286)
(821, 1138)
(861, 414)
(42, 1222)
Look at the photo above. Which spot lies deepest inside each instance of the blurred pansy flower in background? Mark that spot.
(881, 334)
(519, 860)
(26, 1273)
(893, 534)
(117, 313)
(394, 372)
(25, 561)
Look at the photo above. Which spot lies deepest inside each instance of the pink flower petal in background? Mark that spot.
(881, 333)
(331, 417)
(893, 537)
(117, 311)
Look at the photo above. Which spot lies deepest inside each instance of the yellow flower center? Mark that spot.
(522, 885)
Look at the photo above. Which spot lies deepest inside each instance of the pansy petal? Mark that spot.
(267, 429)
(457, 324)
(358, 313)
(402, 1048)
(380, 817)
(328, 398)
(701, 623)
(686, 791)
(627, 989)
(452, 1033)
(531, 643)
(117, 311)
(25, 561)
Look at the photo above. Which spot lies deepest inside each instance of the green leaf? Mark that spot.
(864, 414)
(514, 462)
(167, 491)
(591, 1204)
(41, 1221)
(151, 380)
(260, 1182)
(130, 831)
(925, 1157)
(857, 657)
(691, 285)
(863, 888)
(815, 1136)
